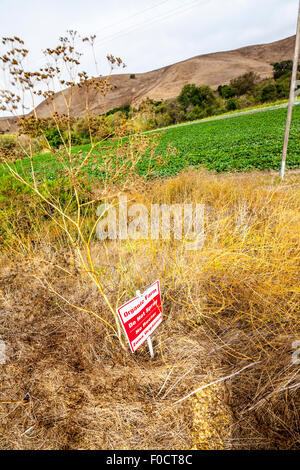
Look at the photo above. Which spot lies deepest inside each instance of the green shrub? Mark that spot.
(269, 92)
(282, 68)
(245, 83)
(283, 85)
(197, 112)
(163, 120)
(53, 137)
(226, 91)
(7, 142)
(191, 95)
(14, 146)
(231, 104)
(124, 109)
(173, 109)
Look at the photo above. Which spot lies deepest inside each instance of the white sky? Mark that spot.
(148, 34)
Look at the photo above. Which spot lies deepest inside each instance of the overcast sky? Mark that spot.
(148, 34)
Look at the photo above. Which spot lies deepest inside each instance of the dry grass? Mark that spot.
(68, 384)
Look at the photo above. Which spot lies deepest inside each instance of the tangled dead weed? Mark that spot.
(68, 384)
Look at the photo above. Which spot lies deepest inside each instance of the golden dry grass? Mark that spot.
(68, 384)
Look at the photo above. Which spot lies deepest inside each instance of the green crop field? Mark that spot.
(237, 144)
(229, 145)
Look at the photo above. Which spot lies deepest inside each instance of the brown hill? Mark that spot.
(209, 69)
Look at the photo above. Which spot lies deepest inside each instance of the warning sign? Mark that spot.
(141, 316)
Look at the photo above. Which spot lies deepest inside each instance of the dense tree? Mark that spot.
(231, 104)
(191, 95)
(283, 85)
(173, 108)
(245, 83)
(226, 91)
(269, 92)
(282, 68)
(53, 137)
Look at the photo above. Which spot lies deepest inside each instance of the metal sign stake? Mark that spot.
(138, 293)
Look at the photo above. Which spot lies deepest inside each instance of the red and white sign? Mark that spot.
(141, 316)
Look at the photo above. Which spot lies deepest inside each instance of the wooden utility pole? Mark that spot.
(292, 97)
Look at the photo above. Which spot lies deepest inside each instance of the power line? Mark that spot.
(123, 20)
(159, 18)
(131, 16)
